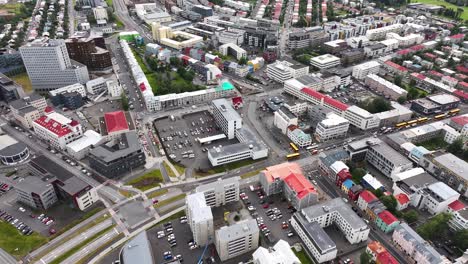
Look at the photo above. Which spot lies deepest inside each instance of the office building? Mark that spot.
(36, 193)
(459, 213)
(325, 61)
(118, 156)
(231, 35)
(332, 127)
(28, 109)
(387, 160)
(220, 192)
(412, 187)
(233, 50)
(287, 178)
(304, 37)
(235, 240)
(57, 129)
(362, 70)
(70, 97)
(80, 148)
(90, 51)
(361, 118)
(226, 117)
(49, 65)
(12, 152)
(200, 218)
(96, 86)
(282, 71)
(417, 249)
(298, 136)
(398, 114)
(10, 90)
(437, 197)
(283, 118)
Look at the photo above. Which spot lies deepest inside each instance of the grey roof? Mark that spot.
(442, 191)
(126, 144)
(226, 109)
(24, 102)
(458, 166)
(316, 234)
(390, 154)
(219, 184)
(6, 258)
(330, 158)
(398, 138)
(287, 112)
(27, 109)
(417, 182)
(138, 250)
(238, 230)
(308, 79)
(251, 142)
(335, 205)
(8, 83)
(377, 46)
(33, 184)
(363, 143)
(13, 149)
(419, 243)
(228, 150)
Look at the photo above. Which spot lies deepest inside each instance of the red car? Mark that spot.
(266, 206)
(155, 201)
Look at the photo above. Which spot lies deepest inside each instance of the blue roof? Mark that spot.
(349, 183)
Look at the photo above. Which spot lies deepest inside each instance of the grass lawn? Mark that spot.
(303, 257)
(126, 193)
(140, 61)
(23, 80)
(463, 16)
(72, 251)
(168, 169)
(170, 200)
(147, 181)
(179, 168)
(250, 174)
(433, 144)
(15, 243)
(157, 193)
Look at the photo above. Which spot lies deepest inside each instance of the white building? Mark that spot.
(362, 70)
(96, 86)
(381, 33)
(220, 192)
(226, 117)
(49, 67)
(280, 253)
(199, 218)
(282, 71)
(233, 49)
(334, 126)
(299, 137)
(79, 148)
(100, 13)
(167, 37)
(398, 114)
(361, 118)
(406, 41)
(325, 61)
(237, 239)
(150, 13)
(385, 87)
(283, 118)
(57, 129)
(77, 87)
(387, 160)
(113, 88)
(459, 214)
(357, 42)
(450, 134)
(232, 35)
(437, 197)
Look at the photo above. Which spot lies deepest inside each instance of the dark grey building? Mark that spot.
(117, 156)
(71, 100)
(204, 11)
(9, 90)
(36, 193)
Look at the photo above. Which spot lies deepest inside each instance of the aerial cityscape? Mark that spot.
(233, 131)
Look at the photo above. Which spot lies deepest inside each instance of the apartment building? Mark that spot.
(332, 127)
(386, 88)
(406, 41)
(28, 109)
(361, 118)
(283, 118)
(305, 37)
(325, 61)
(200, 218)
(220, 192)
(281, 252)
(387, 160)
(91, 51)
(237, 239)
(362, 70)
(287, 178)
(36, 193)
(459, 213)
(381, 33)
(226, 117)
(282, 71)
(49, 65)
(57, 129)
(234, 50)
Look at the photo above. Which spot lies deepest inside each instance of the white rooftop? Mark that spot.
(197, 204)
(327, 58)
(333, 120)
(444, 99)
(359, 111)
(89, 138)
(372, 181)
(443, 190)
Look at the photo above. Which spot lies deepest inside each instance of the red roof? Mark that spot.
(344, 174)
(386, 258)
(456, 205)
(396, 66)
(418, 75)
(299, 184)
(387, 217)
(48, 109)
(368, 196)
(312, 93)
(115, 121)
(237, 100)
(403, 52)
(450, 79)
(460, 120)
(457, 36)
(464, 84)
(462, 68)
(461, 94)
(142, 87)
(335, 103)
(417, 47)
(461, 76)
(436, 73)
(291, 174)
(430, 55)
(53, 126)
(402, 198)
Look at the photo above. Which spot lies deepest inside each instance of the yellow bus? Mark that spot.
(422, 119)
(454, 111)
(293, 156)
(294, 147)
(402, 124)
(440, 116)
(412, 122)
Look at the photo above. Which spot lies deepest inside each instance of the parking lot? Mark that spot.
(180, 136)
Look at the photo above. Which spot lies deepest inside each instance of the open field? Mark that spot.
(303, 257)
(464, 15)
(170, 200)
(147, 181)
(17, 244)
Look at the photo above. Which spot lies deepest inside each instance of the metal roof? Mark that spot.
(138, 250)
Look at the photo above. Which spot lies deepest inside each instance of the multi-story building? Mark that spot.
(375, 50)
(80, 148)
(113, 124)
(332, 127)
(220, 192)
(96, 86)
(237, 239)
(305, 37)
(57, 129)
(49, 65)
(100, 13)
(459, 213)
(282, 71)
(362, 70)
(283, 118)
(325, 61)
(281, 252)
(226, 117)
(437, 197)
(406, 41)
(10, 90)
(398, 114)
(234, 50)
(418, 250)
(118, 156)
(387, 160)
(386, 221)
(28, 109)
(90, 51)
(365, 198)
(232, 35)
(200, 218)
(12, 152)
(460, 124)
(413, 187)
(361, 118)
(113, 88)
(381, 33)
(298, 136)
(385, 87)
(70, 96)
(289, 179)
(174, 39)
(36, 193)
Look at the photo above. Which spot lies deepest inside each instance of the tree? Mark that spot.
(456, 148)
(357, 174)
(413, 93)
(411, 216)
(434, 227)
(124, 101)
(242, 61)
(390, 202)
(401, 99)
(378, 193)
(365, 258)
(460, 239)
(175, 62)
(397, 80)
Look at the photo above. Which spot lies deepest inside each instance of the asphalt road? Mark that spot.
(121, 11)
(6, 258)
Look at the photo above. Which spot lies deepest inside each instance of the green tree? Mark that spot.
(365, 258)
(378, 193)
(456, 148)
(435, 226)
(242, 61)
(175, 62)
(401, 99)
(413, 93)
(390, 202)
(357, 174)
(124, 101)
(460, 239)
(397, 80)
(411, 216)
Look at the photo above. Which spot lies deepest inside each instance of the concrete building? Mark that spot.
(237, 239)
(282, 71)
(375, 50)
(388, 89)
(151, 13)
(36, 193)
(10, 90)
(12, 152)
(80, 148)
(113, 124)
(381, 33)
(234, 50)
(460, 124)
(91, 51)
(459, 213)
(220, 192)
(361, 118)
(325, 61)
(28, 109)
(280, 253)
(413, 187)
(118, 156)
(57, 129)
(287, 178)
(332, 127)
(96, 86)
(437, 197)
(362, 70)
(283, 118)
(226, 117)
(398, 114)
(299, 137)
(387, 160)
(113, 88)
(200, 218)
(231, 35)
(49, 66)
(406, 41)
(305, 37)
(137, 250)
(100, 13)
(174, 39)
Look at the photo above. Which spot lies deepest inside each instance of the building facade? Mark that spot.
(237, 239)
(57, 129)
(200, 219)
(220, 192)
(332, 127)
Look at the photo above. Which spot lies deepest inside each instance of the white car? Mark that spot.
(161, 235)
(251, 208)
(49, 222)
(21, 209)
